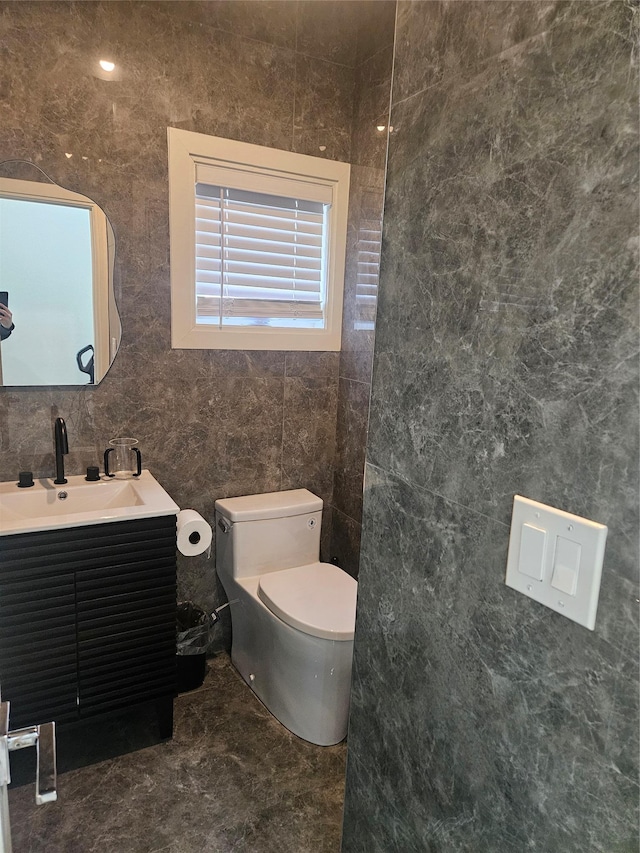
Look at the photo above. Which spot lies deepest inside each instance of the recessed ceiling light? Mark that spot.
(107, 65)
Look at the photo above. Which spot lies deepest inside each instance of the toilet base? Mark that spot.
(303, 681)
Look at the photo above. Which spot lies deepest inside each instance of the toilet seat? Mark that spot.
(318, 599)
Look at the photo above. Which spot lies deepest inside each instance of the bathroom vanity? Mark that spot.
(87, 599)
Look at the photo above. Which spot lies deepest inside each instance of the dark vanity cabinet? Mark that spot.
(87, 620)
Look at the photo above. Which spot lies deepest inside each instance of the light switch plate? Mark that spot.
(556, 559)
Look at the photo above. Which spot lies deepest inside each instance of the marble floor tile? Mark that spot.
(231, 779)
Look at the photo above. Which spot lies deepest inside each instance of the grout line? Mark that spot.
(375, 53)
(429, 491)
(476, 72)
(272, 44)
(295, 89)
(351, 379)
(346, 515)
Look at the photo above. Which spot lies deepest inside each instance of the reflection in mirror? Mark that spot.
(57, 253)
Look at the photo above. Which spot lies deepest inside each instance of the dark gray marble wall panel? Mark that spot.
(309, 435)
(345, 542)
(309, 426)
(376, 25)
(371, 110)
(323, 108)
(210, 424)
(328, 29)
(479, 721)
(345, 32)
(509, 276)
(327, 532)
(351, 431)
(270, 21)
(440, 40)
(505, 362)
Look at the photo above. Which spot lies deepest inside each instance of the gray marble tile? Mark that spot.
(487, 719)
(351, 431)
(345, 542)
(232, 779)
(347, 492)
(328, 29)
(371, 109)
(150, 91)
(246, 362)
(376, 23)
(507, 314)
(505, 362)
(313, 365)
(326, 533)
(323, 108)
(309, 430)
(436, 41)
(357, 364)
(270, 21)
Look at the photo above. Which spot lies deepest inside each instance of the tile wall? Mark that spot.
(505, 362)
(210, 424)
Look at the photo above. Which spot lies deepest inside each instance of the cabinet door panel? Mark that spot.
(38, 652)
(87, 615)
(100, 624)
(126, 623)
(139, 642)
(102, 583)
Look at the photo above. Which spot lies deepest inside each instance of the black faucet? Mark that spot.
(62, 448)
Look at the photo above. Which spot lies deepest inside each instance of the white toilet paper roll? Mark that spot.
(194, 533)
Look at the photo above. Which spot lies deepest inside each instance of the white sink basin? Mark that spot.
(42, 507)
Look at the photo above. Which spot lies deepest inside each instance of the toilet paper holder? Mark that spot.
(193, 533)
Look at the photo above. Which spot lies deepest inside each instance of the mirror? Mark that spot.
(57, 251)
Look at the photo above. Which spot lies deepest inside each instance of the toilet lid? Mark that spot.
(318, 599)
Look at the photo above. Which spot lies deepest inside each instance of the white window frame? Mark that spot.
(186, 150)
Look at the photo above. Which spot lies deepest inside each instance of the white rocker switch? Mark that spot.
(533, 542)
(566, 565)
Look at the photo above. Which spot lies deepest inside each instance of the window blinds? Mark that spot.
(368, 271)
(260, 258)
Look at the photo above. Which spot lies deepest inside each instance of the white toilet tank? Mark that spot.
(257, 534)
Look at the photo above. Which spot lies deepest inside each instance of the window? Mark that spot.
(257, 246)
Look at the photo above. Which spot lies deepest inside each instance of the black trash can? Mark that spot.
(192, 639)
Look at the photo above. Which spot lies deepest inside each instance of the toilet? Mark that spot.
(292, 617)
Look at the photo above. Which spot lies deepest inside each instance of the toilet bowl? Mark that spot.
(292, 616)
